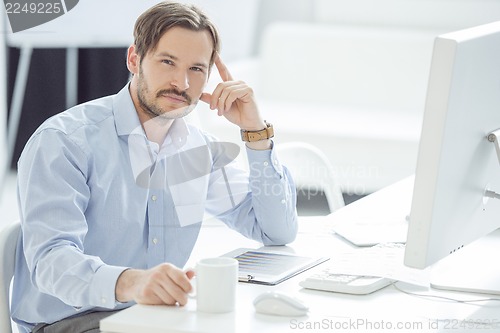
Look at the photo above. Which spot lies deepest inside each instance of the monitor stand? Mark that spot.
(473, 269)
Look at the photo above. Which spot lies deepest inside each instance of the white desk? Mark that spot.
(381, 311)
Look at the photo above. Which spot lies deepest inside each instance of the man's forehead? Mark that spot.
(185, 45)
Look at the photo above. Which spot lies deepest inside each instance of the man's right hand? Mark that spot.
(163, 284)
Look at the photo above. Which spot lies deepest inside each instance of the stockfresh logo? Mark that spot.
(25, 14)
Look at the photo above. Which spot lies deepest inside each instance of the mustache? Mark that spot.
(179, 93)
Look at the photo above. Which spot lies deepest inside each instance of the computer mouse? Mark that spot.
(279, 304)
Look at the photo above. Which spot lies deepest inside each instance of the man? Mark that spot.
(112, 193)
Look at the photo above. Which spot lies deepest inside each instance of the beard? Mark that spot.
(154, 110)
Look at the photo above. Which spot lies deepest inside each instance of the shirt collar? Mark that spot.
(125, 114)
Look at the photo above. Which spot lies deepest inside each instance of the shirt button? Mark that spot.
(275, 162)
(155, 241)
(103, 300)
(283, 201)
(153, 197)
(266, 164)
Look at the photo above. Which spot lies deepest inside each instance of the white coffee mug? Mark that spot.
(215, 286)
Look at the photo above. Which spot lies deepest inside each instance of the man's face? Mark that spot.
(171, 78)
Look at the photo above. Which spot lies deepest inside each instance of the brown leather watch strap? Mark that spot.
(264, 134)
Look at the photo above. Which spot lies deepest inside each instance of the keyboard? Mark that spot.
(326, 280)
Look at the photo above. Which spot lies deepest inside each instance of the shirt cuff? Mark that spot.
(264, 159)
(103, 286)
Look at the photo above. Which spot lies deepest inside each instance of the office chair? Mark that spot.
(8, 243)
(311, 170)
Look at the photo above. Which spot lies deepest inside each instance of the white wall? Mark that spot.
(272, 11)
(110, 23)
(439, 16)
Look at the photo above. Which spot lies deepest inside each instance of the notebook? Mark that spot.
(270, 267)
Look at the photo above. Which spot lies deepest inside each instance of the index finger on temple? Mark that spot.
(221, 67)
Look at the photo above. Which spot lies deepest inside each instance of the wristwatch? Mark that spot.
(264, 134)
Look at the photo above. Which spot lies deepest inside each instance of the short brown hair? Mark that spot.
(155, 21)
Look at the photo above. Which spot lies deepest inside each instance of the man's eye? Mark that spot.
(197, 69)
(168, 62)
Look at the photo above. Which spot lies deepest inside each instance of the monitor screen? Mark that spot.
(458, 167)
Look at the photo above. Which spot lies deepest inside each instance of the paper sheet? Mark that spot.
(384, 260)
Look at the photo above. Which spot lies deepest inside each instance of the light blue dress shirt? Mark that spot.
(96, 197)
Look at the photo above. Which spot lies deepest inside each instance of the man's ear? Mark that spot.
(133, 60)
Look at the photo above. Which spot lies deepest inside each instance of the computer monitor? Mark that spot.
(458, 166)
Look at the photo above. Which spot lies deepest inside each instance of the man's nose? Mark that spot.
(180, 80)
